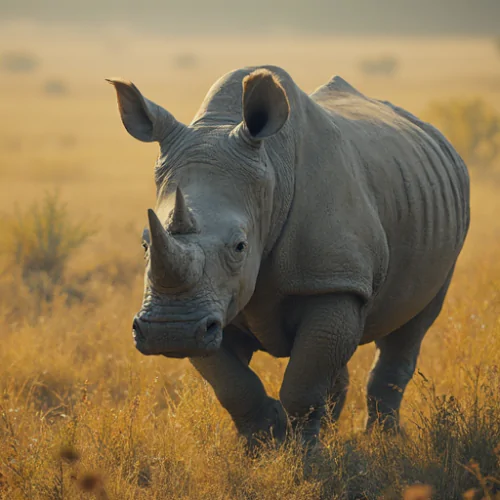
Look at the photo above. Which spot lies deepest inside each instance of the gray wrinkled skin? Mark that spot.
(301, 225)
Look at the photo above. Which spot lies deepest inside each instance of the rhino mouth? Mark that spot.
(159, 338)
(137, 335)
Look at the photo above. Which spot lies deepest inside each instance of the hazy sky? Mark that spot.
(320, 16)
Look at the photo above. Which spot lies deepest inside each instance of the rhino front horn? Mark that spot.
(172, 264)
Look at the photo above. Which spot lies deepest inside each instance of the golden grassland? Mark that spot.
(82, 413)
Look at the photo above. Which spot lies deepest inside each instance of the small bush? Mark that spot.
(40, 241)
(471, 125)
(18, 62)
(383, 65)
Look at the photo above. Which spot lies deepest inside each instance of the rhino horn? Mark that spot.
(171, 262)
(182, 222)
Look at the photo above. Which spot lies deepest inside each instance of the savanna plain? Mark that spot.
(83, 414)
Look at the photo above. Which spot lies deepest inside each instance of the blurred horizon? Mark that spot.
(320, 17)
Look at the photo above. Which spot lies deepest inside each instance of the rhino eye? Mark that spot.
(145, 239)
(240, 247)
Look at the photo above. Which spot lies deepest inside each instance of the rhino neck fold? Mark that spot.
(283, 153)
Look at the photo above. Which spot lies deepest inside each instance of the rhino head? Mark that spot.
(213, 214)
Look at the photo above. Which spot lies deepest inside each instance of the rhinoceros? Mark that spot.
(302, 225)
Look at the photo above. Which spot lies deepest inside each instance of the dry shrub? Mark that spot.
(40, 240)
(472, 126)
(462, 433)
(38, 246)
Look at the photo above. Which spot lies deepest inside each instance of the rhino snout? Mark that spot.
(178, 340)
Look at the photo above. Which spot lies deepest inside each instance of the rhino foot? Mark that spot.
(267, 425)
(387, 424)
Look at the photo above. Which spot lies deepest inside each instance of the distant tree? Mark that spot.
(18, 62)
(55, 87)
(385, 65)
(186, 60)
(472, 126)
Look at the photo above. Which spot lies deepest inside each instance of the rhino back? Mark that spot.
(381, 206)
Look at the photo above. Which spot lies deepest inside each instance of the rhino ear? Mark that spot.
(265, 104)
(143, 119)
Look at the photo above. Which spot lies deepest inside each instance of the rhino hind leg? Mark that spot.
(256, 416)
(395, 363)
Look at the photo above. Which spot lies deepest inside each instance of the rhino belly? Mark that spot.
(409, 288)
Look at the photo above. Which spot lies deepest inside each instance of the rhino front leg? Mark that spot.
(338, 393)
(255, 415)
(329, 330)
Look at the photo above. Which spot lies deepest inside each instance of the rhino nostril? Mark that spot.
(213, 326)
(209, 329)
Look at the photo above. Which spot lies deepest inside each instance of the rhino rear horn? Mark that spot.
(182, 221)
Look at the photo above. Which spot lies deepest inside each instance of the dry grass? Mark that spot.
(82, 414)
